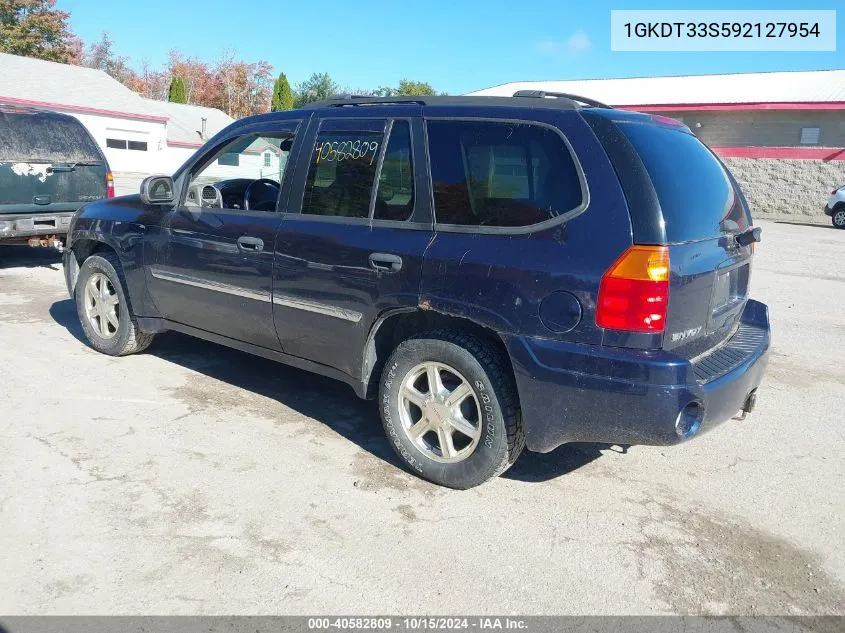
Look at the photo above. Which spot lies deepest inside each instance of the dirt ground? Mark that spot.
(196, 479)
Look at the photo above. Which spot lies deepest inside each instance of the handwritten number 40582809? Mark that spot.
(336, 151)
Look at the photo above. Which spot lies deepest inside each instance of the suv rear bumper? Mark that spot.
(581, 393)
(23, 225)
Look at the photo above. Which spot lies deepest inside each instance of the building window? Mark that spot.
(119, 143)
(810, 135)
(268, 159)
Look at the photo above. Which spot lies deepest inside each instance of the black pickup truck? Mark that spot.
(49, 167)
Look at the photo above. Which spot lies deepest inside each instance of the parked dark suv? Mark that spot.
(49, 167)
(499, 272)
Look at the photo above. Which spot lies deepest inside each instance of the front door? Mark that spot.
(355, 249)
(213, 268)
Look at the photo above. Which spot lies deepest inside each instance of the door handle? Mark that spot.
(251, 243)
(386, 262)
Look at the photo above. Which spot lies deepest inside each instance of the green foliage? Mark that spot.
(33, 28)
(283, 98)
(317, 87)
(177, 92)
(415, 88)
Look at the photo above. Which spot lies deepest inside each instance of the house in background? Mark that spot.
(782, 134)
(138, 136)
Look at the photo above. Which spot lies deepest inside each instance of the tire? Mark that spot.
(122, 339)
(490, 404)
(838, 217)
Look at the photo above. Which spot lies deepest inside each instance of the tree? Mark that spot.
(282, 95)
(177, 92)
(33, 28)
(414, 88)
(317, 87)
(244, 87)
(384, 91)
(101, 56)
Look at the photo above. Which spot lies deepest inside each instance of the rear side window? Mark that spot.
(395, 194)
(695, 192)
(342, 173)
(500, 174)
(43, 137)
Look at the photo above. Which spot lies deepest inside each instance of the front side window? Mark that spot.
(238, 176)
(342, 173)
(500, 174)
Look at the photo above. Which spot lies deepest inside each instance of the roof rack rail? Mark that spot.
(542, 94)
(340, 100)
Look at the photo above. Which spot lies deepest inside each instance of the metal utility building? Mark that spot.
(782, 133)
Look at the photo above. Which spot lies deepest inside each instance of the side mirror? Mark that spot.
(157, 190)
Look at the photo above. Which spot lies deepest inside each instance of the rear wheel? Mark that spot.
(449, 408)
(104, 310)
(838, 218)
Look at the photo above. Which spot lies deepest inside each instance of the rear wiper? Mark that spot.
(751, 235)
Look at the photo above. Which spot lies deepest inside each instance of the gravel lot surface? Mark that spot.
(197, 479)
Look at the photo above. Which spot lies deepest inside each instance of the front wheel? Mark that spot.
(104, 310)
(838, 218)
(450, 410)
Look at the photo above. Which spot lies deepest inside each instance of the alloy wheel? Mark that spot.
(102, 305)
(440, 412)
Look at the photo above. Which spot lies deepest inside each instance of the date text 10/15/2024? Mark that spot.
(418, 623)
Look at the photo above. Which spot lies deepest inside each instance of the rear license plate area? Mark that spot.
(731, 288)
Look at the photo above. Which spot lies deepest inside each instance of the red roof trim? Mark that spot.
(804, 153)
(741, 107)
(83, 109)
(183, 144)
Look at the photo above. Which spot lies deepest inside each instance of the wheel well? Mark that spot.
(395, 328)
(84, 248)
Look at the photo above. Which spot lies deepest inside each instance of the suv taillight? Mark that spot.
(634, 292)
(109, 185)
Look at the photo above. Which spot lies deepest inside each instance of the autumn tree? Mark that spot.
(317, 87)
(282, 94)
(201, 83)
(177, 93)
(34, 28)
(152, 84)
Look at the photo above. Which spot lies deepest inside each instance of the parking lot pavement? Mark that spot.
(196, 479)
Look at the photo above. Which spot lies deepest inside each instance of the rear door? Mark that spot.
(48, 164)
(352, 245)
(703, 211)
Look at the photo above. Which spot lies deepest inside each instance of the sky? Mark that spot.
(456, 46)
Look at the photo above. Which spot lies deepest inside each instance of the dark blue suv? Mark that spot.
(498, 272)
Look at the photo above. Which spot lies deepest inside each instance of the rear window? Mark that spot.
(696, 194)
(43, 137)
(500, 174)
